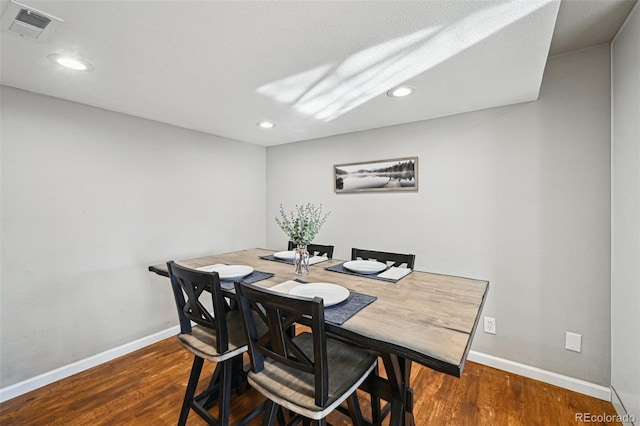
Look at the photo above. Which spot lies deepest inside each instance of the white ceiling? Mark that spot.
(314, 68)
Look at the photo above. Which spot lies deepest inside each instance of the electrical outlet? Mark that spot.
(489, 325)
(573, 342)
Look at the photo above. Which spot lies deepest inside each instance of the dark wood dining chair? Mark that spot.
(218, 336)
(398, 259)
(315, 249)
(309, 374)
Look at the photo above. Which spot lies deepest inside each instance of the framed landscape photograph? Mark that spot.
(396, 174)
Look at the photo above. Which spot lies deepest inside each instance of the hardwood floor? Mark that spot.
(146, 388)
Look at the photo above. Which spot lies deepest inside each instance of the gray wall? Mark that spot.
(90, 198)
(625, 225)
(518, 195)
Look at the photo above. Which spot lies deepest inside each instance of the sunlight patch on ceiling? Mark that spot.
(292, 88)
(331, 90)
(359, 77)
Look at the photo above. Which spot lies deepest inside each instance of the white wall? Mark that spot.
(625, 250)
(90, 198)
(518, 195)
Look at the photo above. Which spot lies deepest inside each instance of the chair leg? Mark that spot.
(270, 414)
(376, 415)
(354, 409)
(280, 415)
(211, 394)
(239, 376)
(225, 392)
(196, 369)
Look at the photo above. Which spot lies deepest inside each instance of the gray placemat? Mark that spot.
(253, 277)
(256, 276)
(341, 312)
(275, 259)
(341, 269)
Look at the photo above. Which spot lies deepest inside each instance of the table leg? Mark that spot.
(211, 394)
(399, 375)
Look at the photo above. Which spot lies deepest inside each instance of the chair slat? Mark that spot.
(398, 259)
(315, 249)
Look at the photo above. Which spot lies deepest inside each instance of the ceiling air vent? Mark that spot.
(28, 22)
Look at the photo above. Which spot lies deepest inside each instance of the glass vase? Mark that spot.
(301, 260)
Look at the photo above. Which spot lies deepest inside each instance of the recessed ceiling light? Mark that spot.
(401, 92)
(71, 62)
(266, 125)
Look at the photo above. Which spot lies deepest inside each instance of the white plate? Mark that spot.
(365, 266)
(284, 255)
(232, 272)
(331, 294)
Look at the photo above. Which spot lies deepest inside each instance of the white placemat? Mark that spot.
(317, 259)
(394, 273)
(284, 287)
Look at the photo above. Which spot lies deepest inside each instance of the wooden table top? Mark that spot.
(427, 318)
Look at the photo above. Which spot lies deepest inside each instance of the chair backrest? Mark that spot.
(196, 285)
(316, 249)
(279, 312)
(397, 258)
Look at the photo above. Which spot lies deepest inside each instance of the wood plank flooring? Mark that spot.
(146, 387)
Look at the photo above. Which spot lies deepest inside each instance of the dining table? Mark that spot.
(423, 317)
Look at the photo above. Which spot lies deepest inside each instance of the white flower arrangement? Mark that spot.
(304, 224)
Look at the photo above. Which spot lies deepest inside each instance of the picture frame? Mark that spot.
(395, 174)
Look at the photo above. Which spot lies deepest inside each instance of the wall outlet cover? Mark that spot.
(489, 325)
(573, 342)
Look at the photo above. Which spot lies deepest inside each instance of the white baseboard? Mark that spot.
(49, 377)
(84, 364)
(623, 415)
(566, 382)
